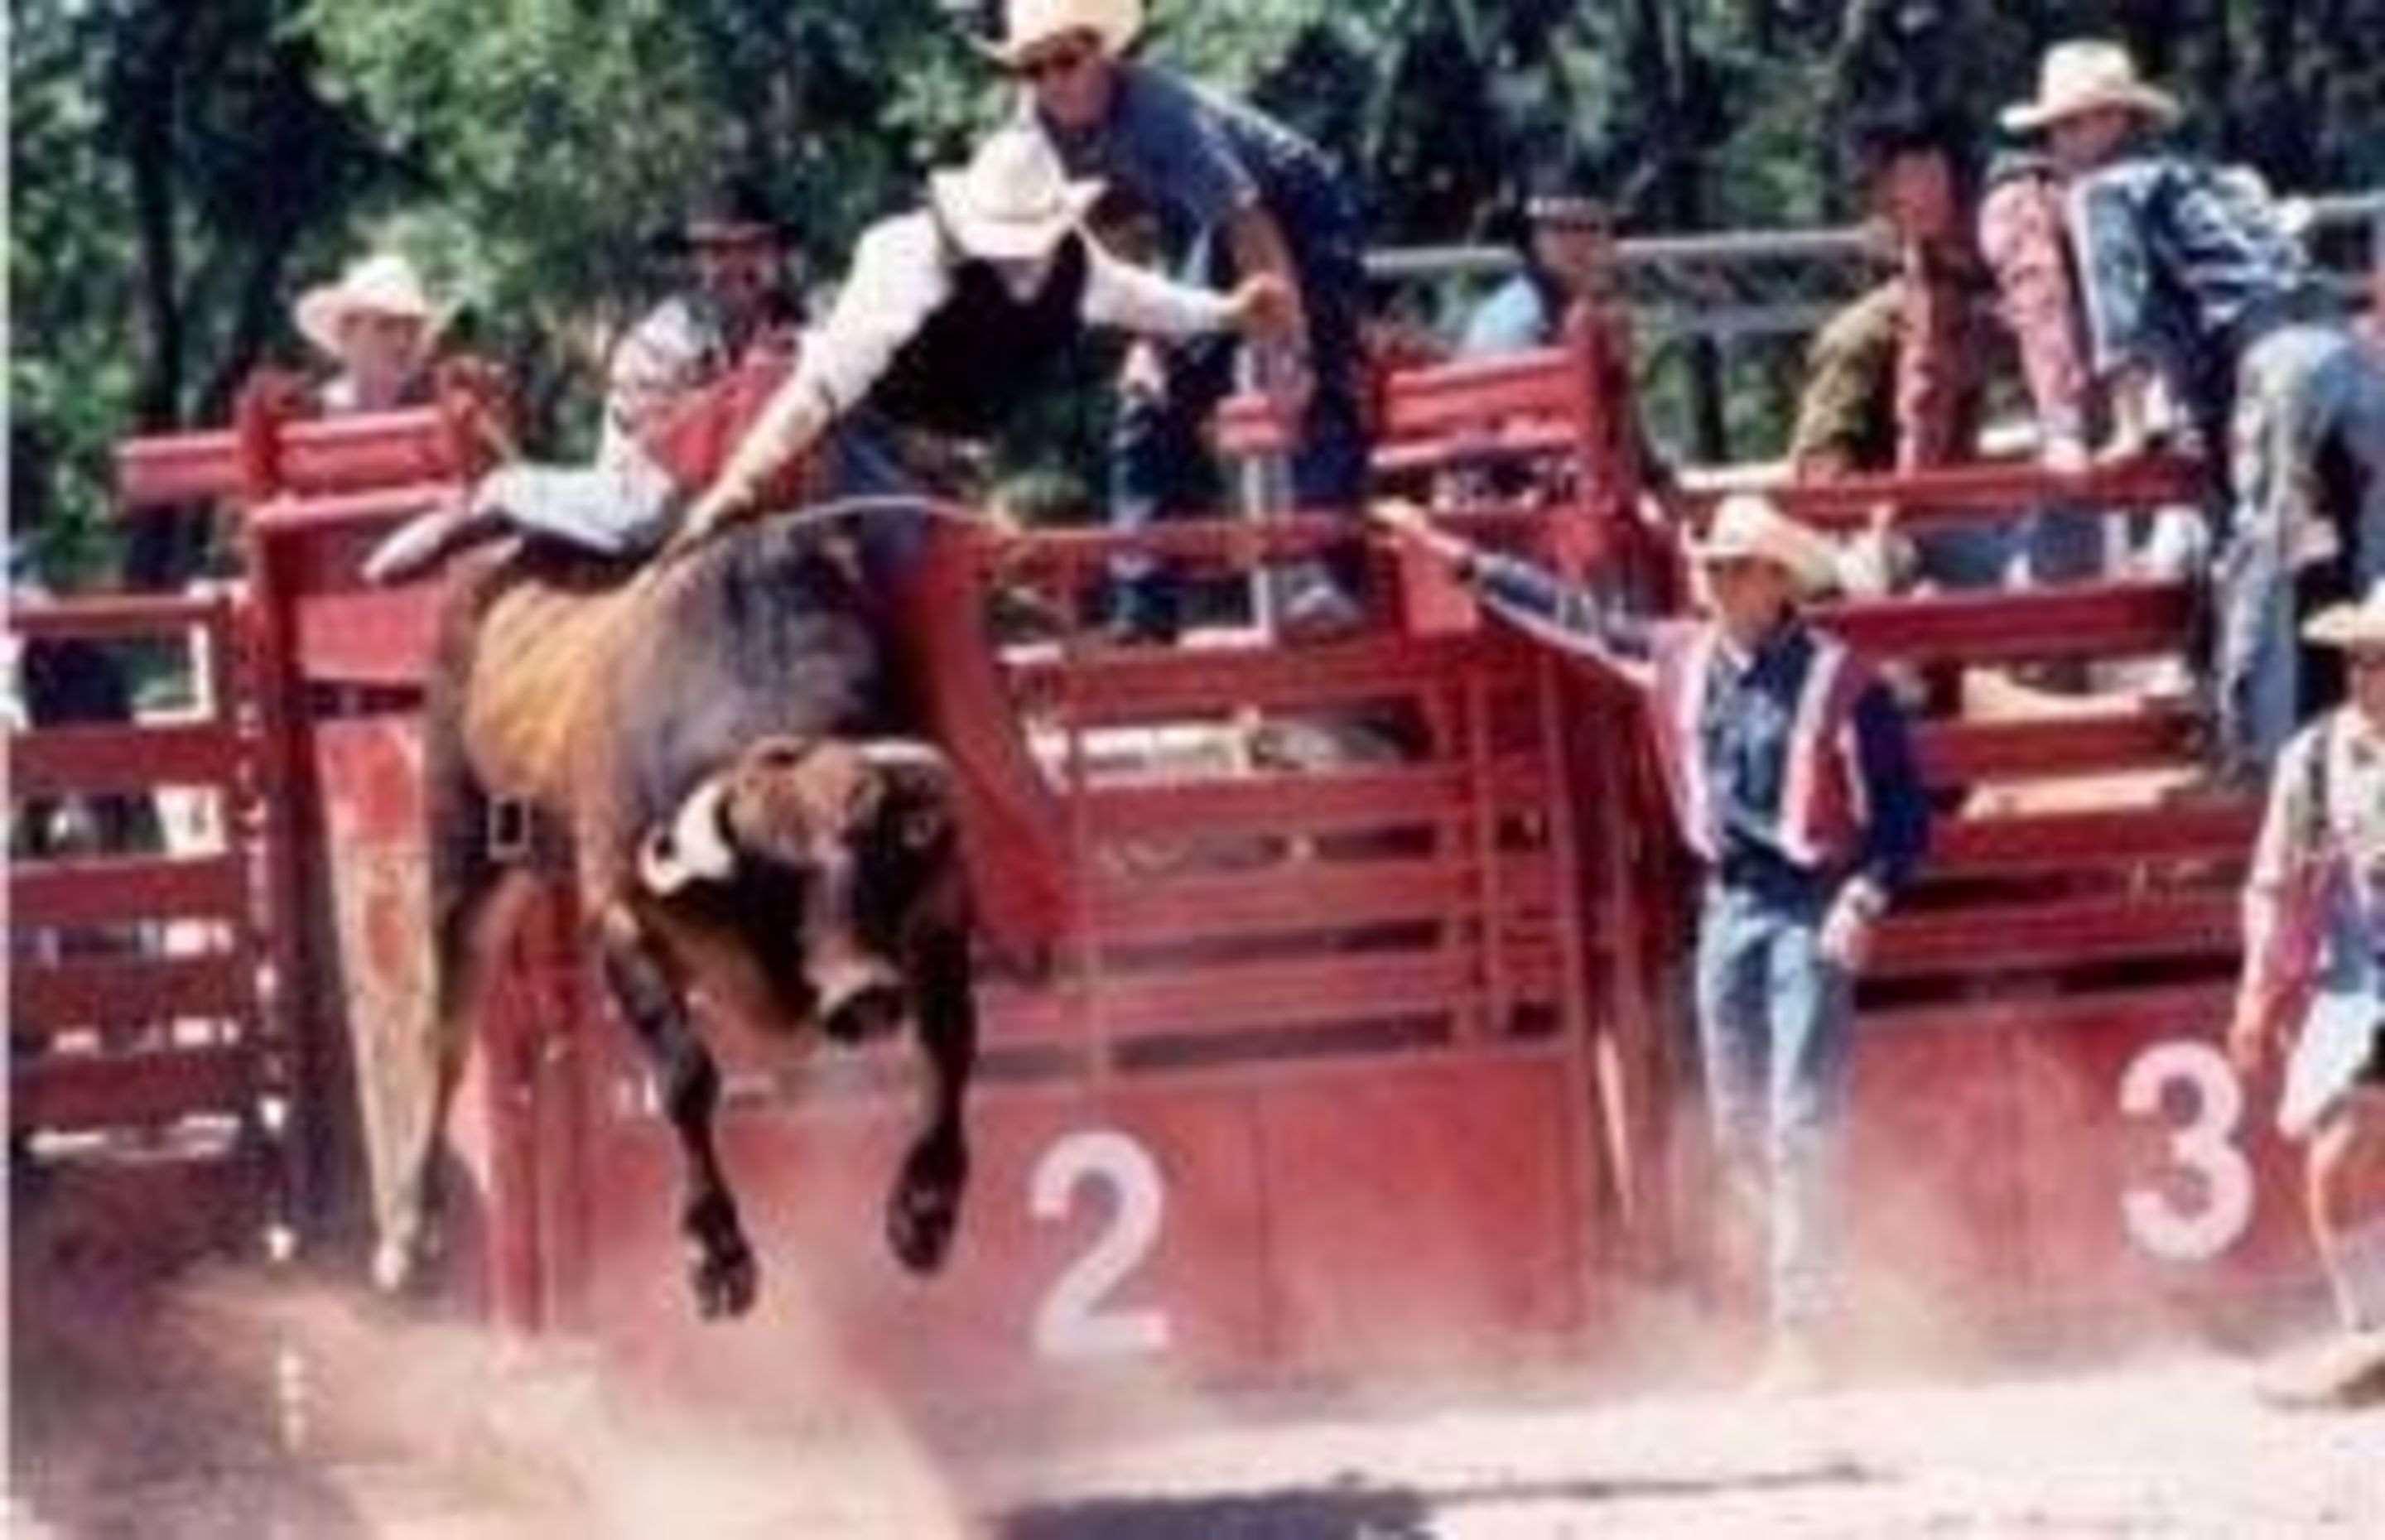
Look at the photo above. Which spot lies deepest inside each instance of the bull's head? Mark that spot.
(866, 826)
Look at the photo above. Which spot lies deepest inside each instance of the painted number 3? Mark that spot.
(1071, 1322)
(2207, 1224)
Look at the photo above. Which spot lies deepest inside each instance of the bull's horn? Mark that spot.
(904, 753)
(693, 845)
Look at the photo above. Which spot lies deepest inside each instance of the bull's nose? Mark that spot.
(869, 1012)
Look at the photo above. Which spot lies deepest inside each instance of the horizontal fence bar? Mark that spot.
(110, 991)
(123, 757)
(330, 454)
(2179, 1009)
(1189, 811)
(2152, 737)
(2077, 841)
(1848, 503)
(1250, 998)
(1314, 896)
(324, 512)
(66, 1091)
(1122, 687)
(1975, 938)
(107, 889)
(2100, 620)
(121, 616)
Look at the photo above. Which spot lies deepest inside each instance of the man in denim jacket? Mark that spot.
(2190, 274)
(1793, 778)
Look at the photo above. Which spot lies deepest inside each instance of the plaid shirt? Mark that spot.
(1895, 377)
(2022, 236)
(2310, 859)
(1938, 377)
(678, 347)
(2181, 266)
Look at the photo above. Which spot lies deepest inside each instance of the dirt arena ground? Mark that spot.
(219, 1405)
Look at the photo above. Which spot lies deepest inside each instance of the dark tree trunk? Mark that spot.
(149, 98)
(2216, 75)
(294, 200)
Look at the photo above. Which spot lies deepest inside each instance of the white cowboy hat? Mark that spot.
(383, 284)
(2081, 76)
(1027, 23)
(2354, 628)
(1012, 202)
(1748, 527)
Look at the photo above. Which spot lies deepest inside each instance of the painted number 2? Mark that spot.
(2203, 1145)
(1071, 1322)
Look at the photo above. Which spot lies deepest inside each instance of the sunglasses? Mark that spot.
(1058, 62)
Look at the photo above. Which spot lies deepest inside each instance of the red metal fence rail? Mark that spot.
(140, 1055)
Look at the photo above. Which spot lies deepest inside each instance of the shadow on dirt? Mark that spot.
(130, 1417)
(1355, 1512)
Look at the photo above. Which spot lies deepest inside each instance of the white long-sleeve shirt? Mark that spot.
(903, 270)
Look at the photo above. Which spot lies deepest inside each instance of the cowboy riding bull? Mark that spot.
(722, 730)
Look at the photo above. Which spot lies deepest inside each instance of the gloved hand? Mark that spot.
(1848, 928)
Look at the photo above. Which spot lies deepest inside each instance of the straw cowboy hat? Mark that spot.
(2354, 628)
(1748, 527)
(1012, 202)
(1027, 24)
(2082, 76)
(383, 284)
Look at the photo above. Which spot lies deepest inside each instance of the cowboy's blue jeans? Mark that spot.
(1159, 466)
(1775, 1032)
(2299, 388)
(2051, 546)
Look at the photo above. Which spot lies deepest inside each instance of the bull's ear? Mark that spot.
(693, 845)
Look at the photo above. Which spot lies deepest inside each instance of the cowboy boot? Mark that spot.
(428, 538)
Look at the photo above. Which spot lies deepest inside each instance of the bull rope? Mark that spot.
(860, 504)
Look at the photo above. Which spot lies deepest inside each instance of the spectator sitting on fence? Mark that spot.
(677, 385)
(1792, 777)
(1896, 380)
(2186, 271)
(2313, 979)
(1237, 194)
(1566, 235)
(378, 323)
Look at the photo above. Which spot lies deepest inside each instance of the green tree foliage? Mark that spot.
(169, 164)
(563, 137)
(179, 169)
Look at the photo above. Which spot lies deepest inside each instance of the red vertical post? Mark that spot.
(512, 1030)
(560, 1119)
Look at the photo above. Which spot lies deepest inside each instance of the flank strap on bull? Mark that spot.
(522, 835)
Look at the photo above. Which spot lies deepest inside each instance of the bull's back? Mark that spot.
(543, 665)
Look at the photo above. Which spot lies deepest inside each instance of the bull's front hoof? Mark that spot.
(725, 1281)
(925, 1208)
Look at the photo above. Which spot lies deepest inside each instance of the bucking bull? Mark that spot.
(719, 736)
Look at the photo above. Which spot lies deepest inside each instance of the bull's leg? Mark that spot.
(723, 1273)
(926, 1202)
(408, 1091)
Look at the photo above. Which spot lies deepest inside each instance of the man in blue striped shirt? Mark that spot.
(1235, 194)
(1791, 776)
(2189, 273)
